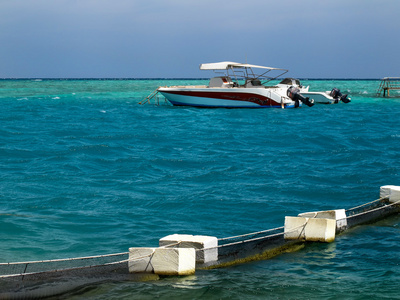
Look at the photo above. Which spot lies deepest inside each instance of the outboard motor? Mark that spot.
(337, 95)
(294, 94)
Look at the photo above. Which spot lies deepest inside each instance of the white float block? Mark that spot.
(339, 215)
(385, 190)
(394, 194)
(310, 229)
(207, 246)
(140, 260)
(174, 261)
(294, 228)
(320, 230)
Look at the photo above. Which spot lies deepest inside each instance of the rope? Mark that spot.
(247, 234)
(264, 231)
(63, 259)
(375, 209)
(67, 269)
(259, 238)
(79, 268)
(250, 240)
(169, 245)
(380, 199)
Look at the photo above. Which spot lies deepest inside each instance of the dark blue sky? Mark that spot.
(170, 38)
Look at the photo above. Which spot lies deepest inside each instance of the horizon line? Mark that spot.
(163, 78)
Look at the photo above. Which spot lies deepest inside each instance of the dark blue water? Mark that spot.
(85, 170)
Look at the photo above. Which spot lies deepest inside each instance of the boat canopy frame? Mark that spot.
(243, 71)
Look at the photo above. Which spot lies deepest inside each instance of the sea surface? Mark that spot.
(85, 170)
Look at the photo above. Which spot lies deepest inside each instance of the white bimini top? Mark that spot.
(225, 65)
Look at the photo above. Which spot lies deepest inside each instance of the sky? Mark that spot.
(171, 38)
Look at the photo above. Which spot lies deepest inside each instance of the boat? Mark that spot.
(239, 86)
(329, 97)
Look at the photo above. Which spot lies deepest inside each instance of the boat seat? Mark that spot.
(223, 81)
(253, 83)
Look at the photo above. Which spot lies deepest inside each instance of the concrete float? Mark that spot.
(339, 215)
(386, 190)
(140, 260)
(394, 194)
(174, 261)
(206, 246)
(162, 261)
(317, 226)
(177, 255)
(310, 229)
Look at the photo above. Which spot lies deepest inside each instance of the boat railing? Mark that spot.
(153, 96)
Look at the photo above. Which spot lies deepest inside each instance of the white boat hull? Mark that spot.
(319, 97)
(228, 98)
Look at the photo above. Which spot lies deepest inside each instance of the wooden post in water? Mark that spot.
(387, 84)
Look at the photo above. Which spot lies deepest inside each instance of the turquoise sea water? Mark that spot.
(85, 170)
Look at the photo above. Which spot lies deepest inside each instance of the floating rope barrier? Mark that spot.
(24, 266)
(231, 250)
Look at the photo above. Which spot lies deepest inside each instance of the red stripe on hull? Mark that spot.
(248, 97)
